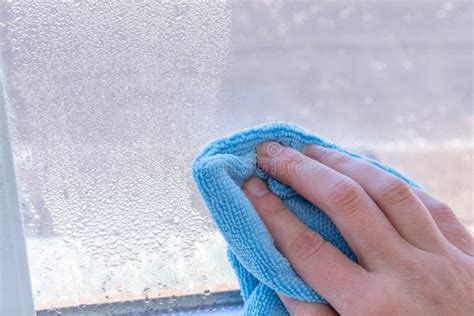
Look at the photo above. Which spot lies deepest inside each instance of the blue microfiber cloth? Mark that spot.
(219, 172)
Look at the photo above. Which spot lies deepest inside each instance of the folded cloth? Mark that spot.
(262, 271)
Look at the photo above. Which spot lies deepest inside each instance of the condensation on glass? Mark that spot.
(107, 104)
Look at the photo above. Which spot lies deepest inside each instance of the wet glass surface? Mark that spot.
(105, 105)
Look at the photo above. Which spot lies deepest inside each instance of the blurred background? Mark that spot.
(108, 102)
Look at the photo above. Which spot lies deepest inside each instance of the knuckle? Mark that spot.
(441, 212)
(395, 191)
(325, 155)
(274, 207)
(460, 237)
(450, 225)
(297, 166)
(337, 160)
(307, 244)
(347, 195)
(333, 158)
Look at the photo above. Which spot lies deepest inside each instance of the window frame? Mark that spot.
(16, 297)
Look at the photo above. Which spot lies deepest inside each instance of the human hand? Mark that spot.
(414, 256)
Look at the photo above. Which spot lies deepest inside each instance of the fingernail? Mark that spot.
(315, 151)
(256, 186)
(269, 149)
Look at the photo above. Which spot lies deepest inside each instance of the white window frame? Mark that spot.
(15, 286)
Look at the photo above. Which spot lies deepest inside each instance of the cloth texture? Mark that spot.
(219, 172)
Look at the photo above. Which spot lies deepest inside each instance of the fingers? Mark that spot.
(448, 223)
(299, 308)
(364, 226)
(319, 263)
(394, 196)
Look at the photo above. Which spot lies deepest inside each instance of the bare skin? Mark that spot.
(415, 257)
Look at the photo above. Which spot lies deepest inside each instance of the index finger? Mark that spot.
(362, 223)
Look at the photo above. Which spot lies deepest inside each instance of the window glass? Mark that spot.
(108, 103)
